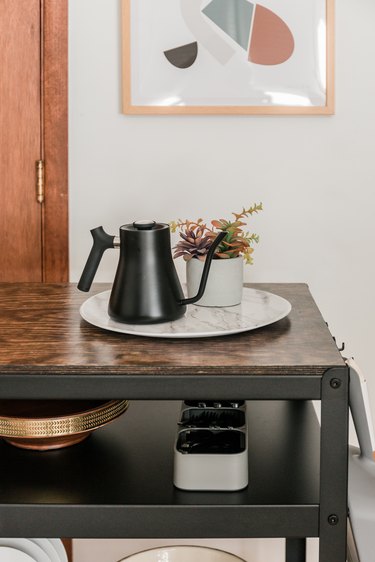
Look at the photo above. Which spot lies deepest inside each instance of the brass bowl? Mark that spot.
(43, 425)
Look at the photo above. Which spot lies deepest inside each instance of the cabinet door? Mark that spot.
(33, 127)
(20, 140)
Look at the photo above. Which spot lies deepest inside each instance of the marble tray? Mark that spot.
(258, 309)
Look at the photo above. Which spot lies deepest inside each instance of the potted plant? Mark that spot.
(224, 286)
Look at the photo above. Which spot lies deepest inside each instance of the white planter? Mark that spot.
(224, 284)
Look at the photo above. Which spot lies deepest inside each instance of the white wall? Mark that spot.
(315, 175)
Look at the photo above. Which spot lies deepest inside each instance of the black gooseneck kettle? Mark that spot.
(146, 289)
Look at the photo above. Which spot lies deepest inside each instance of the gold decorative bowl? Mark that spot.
(43, 425)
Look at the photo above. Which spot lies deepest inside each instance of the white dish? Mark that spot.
(60, 549)
(49, 548)
(182, 554)
(26, 546)
(258, 309)
(8, 554)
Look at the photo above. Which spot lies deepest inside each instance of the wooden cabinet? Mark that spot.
(33, 125)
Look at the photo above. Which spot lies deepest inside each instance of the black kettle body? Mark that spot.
(146, 289)
(147, 273)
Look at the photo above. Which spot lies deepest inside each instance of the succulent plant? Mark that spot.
(195, 243)
(197, 237)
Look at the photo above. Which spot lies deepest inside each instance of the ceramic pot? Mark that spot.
(224, 285)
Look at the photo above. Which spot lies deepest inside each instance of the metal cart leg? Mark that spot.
(295, 550)
(333, 465)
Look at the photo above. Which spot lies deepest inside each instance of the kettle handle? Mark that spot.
(206, 270)
(102, 242)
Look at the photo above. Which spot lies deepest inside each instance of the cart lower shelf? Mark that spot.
(119, 482)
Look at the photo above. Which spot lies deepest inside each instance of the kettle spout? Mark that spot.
(206, 270)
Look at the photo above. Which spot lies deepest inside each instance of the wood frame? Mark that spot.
(68, 544)
(54, 148)
(128, 108)
(54, 112)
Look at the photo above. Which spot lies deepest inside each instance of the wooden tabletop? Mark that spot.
(41, 331)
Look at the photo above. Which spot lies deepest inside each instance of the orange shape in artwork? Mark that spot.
(272, 41)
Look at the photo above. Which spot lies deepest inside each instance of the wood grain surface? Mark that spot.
(69, 548)
(55, 140)
(41, 331)
(20, 141)
(34, 126)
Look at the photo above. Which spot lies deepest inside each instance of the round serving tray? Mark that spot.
(258, 309)
(53, 424)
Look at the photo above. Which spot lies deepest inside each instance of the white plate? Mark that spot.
(26, 546)
(8, 554)
(182, 554)
(258, 309)
(60, 549)
(48, 546)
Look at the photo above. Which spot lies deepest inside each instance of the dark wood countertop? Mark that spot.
(42, 332)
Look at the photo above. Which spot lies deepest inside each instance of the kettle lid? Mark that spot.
(144, 224)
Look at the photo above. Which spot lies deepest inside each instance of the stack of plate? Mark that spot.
(52, 424)
(32, 550)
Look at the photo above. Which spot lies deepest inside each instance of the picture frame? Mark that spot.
(228, 57)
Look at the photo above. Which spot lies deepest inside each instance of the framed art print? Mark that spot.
(227, 56)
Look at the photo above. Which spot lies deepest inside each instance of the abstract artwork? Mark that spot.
(228, 56)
